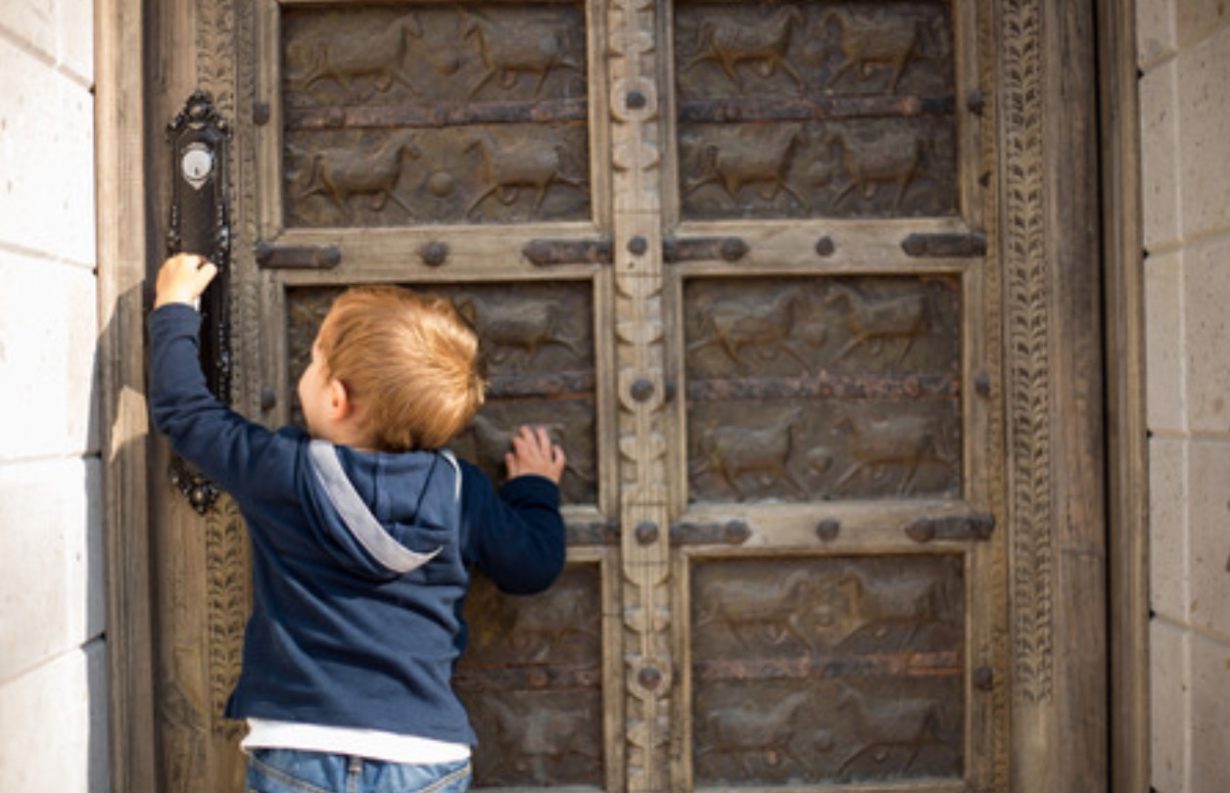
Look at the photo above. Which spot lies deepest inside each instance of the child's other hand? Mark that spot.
(534, 453)
(182, 279)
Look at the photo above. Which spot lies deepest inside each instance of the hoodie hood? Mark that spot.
(384, 515)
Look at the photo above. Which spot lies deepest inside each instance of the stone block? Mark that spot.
(1155, 31)
(1164, 369)
(1204, 146)
(46, 159)
(1168, 527)
(76, 31)
(48, 348)
(53, 725)
(1168, 711)
(1206, 334)
(34, 23)
(1159, 141)
(51, 560)
(1196, 20)
(1208, 552)
(1210, 715)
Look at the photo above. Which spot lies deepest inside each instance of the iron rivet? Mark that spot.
(914, 245)
(733, 249)
(260, 113)
(638, 245)
(434, 254)
(828, 529)
(269, 399)
(825, 246)
(984, 678)
(982, 384)
(976, 102)
(646, 532)
(642, 389)
(649, 677)
(922, 530)
(635, 100)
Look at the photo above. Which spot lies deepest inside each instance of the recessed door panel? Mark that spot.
(400, 115)
(816, 110)
(833, 669)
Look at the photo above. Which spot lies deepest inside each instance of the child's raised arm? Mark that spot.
(230, 450)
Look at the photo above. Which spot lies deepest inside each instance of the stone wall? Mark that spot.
(1184, 57)
(53, 703)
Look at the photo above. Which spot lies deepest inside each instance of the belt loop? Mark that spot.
(354, 771)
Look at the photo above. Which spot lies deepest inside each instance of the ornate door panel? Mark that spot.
(749, 263)
(833, 542)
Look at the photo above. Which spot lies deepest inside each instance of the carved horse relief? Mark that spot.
(767, 326)
(506, 55)
(744, 731)
(733, 452)
(348, 60)
(867, 44)
(871, 322)
(540, 740)
(764, 44)
(527, 324)
(903, 442)
(756, 611)
(897, 729)
(339, 173)
(894, 158)
(892, 615)
(508, 166)
(749, 157)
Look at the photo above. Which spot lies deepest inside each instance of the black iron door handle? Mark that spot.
(200, 223)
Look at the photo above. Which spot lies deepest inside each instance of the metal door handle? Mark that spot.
(200, 223)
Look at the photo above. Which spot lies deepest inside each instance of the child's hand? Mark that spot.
(533, 453)
(182, 279)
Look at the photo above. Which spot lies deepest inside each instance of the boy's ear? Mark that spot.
(340, 406)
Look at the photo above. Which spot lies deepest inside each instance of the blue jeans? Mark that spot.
(293, 771)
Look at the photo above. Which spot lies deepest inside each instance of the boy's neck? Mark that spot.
(345, 434)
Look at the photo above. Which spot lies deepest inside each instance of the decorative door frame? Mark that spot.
(1049, 247)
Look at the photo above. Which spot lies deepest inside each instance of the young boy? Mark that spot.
(363, 530)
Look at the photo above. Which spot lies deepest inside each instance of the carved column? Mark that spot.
(636, 158)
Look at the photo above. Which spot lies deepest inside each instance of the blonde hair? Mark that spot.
(409, 362)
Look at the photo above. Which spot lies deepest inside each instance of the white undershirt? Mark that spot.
(372, 744)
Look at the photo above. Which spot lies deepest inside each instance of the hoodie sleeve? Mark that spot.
(233, 452)
(515, 538)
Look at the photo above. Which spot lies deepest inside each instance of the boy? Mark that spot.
(362, 529)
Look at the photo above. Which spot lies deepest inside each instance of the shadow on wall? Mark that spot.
(121, 692)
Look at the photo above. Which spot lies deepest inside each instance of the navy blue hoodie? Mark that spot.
(336, 636)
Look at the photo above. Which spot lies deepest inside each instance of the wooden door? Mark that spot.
(749, 262)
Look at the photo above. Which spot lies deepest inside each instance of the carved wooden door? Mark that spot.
(742, 259)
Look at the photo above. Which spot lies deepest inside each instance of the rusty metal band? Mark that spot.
(527, 677)
(827, 386)
(817, 107)
(904, 664)
(545, 111)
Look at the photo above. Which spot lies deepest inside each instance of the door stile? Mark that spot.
(640, 382)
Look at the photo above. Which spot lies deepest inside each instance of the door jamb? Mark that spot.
(1126, 424)
(120, 169)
